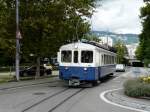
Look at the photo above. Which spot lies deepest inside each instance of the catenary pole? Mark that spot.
(17, 40)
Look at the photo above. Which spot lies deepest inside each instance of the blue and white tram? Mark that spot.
(85, 62)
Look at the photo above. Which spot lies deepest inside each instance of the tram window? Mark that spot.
(111, 58)
(66, 56)
(102, 59)
(107, 59)
(87, 56)
(75, 56)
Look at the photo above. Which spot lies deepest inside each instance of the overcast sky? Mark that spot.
(120, 16)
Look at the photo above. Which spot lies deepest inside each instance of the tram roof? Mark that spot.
(77, 45)
(86, 45)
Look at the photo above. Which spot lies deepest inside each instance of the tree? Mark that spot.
(138, 53)
(91, 37)
(46, 24)
(7, 32)
(121, 51)
(143, 51)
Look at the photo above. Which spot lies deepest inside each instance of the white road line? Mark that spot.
(102, 96)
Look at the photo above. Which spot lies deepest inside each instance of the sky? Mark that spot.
(119, 16)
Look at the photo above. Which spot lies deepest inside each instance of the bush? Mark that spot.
(146, 79)
(137, 88)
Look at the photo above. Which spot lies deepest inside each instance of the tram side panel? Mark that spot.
(105, 69)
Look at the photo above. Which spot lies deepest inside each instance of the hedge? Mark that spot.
(137, 88)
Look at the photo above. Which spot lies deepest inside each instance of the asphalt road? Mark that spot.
(57, 97)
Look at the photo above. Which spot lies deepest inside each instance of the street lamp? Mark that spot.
(18, 35)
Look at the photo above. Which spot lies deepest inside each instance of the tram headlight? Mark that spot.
(85, 69)
(66, 68)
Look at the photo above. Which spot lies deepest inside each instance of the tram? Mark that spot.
(82, 62)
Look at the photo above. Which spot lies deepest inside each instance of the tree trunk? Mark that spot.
(38, 67)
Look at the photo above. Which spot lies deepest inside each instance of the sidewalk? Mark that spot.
(28, 82)
(118, 97)
(13, 73)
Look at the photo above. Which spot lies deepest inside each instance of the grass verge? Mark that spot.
(6, 78)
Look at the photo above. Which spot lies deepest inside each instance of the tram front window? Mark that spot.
(66, 56)
(87, 56)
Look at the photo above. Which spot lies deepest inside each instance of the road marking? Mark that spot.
(102, 96)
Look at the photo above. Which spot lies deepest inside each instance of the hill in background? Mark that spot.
(126, 38)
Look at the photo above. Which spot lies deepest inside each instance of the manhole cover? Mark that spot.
(39, 93)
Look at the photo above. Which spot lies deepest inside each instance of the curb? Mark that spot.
(114, 97)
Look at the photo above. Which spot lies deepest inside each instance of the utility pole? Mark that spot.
(107, 38)
(17, 40)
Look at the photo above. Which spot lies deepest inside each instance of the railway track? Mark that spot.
(54, 96)
(66, 99)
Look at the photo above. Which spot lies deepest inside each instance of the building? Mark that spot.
(131, 50)
(106, 40)
(132, 57)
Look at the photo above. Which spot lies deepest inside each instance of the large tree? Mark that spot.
(7, 32)
(46, 24)
(143, 51)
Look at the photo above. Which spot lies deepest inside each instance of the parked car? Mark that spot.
(48, 66)
(148, 65)
(31, 71)
(120, 68)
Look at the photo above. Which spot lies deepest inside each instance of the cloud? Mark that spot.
(120, 16)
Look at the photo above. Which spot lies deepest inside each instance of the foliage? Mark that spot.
(121, 51)
(45, 25)
(7, 32)
(143, 51)
(136, 88)
(91, 37)
(7, 51)
(146, 79)
(138, 53)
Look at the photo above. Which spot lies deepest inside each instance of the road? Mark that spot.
(55, 96)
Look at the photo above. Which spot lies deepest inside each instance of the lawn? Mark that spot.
(6, 77)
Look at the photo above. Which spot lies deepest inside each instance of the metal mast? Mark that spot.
(17, 40)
